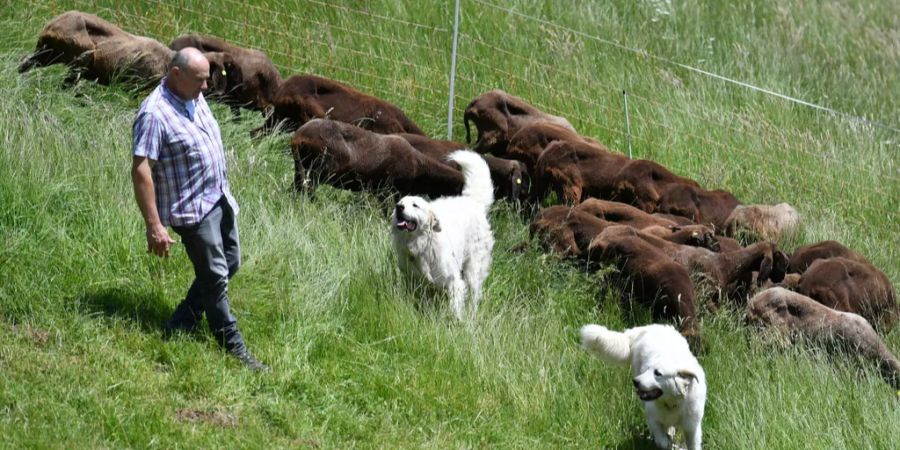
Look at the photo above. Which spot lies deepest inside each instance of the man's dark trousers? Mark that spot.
(213, 248)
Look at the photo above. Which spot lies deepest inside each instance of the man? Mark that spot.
(178, 172)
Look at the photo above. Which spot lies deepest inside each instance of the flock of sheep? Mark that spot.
(670, 237)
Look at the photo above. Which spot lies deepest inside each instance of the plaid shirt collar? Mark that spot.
(184, 107)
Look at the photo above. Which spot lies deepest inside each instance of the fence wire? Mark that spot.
(572, 90)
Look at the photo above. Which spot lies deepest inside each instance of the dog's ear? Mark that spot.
(685, 378)
(435, 223)
(687, 374)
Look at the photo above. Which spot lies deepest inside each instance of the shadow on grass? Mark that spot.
(144, 308)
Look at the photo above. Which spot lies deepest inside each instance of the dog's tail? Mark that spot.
(610, 346)
(475, 170)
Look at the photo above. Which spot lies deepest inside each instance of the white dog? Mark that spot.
(667, 377)
(449, 240)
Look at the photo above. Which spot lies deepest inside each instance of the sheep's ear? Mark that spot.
(765, 269)
(435, 223)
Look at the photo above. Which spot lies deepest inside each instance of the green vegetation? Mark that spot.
(361, 360)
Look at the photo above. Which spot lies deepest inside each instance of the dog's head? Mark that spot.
(663, 383)
(414, 214)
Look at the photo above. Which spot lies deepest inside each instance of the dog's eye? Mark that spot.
(415, 205)
(656, 373)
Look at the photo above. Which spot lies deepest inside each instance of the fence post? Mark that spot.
(452, 73)
(627, 123)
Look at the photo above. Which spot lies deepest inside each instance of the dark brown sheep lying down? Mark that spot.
(838, 277)
(799, 316)
(568, 231)
(852, 286)
(656, 280)
(498, 116)
(528, 143)
(576, 171)
(67, 36)
(804, 255)
(733, 273)
(259, 79)
(97, 50)
(302, 98)
(510, 177)
(350, 157)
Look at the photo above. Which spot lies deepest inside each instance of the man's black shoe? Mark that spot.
(247, 359)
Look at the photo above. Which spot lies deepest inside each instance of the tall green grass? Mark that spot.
(363, 360)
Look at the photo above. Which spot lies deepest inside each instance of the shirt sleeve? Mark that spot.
(147, 136)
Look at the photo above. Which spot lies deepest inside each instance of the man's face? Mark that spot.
(192, 80)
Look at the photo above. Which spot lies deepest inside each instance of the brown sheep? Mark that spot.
(852, 286)
(576, 171)
(697, 204)
(143, 61)
(661, 225)
(727, 244)
(529, 142)
(796, 316)
(136, 59)
(641, 182)
(97, 50)
(764, 222)
(67, 36)
(568, 231)
(260, 78)
(565, 230)
(805, 255)
(622, 214)
(510, 178)
(656, 279)
(498, 116)
(731, 273)
(302, 98)
(350, 157)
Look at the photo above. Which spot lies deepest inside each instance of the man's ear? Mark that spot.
(435, 223)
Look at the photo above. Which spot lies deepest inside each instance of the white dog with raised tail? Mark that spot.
(667, 377)
(449, 240)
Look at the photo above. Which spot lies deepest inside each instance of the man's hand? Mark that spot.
(158, 240)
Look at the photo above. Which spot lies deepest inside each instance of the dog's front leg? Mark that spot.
(693, 438)
(457, 297)
(660, 434)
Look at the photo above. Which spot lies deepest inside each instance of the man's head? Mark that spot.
(188, 73)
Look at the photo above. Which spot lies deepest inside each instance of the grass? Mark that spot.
(361, 359)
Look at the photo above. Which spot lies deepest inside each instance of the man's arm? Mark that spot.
(158, 239)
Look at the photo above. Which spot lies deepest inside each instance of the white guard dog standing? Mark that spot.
(667, 377)
(449, 240)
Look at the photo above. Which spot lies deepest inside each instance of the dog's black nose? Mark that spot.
(635, 382)
(399, 207)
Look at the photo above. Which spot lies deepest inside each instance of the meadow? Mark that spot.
(363, 360)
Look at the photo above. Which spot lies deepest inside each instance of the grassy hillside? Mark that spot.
(361, 359)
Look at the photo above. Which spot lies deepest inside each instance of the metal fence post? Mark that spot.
(452, 73)
(627, 123)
